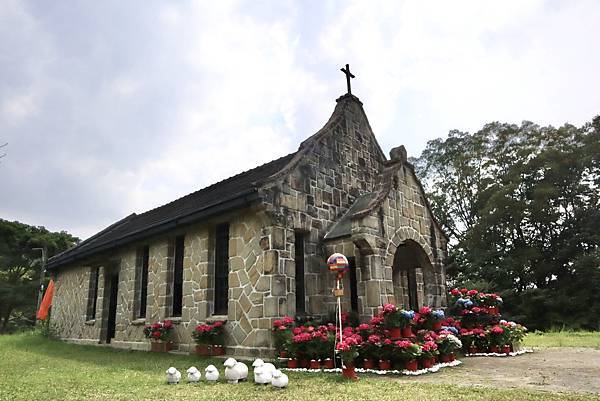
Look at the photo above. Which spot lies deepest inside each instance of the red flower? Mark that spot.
(472, 292)
(497, 330)
(218, 324)
(374, 339)
(387, 341)
(455, 292)
(463, 290)
(168, 324)
(425, 310)
(364, 327)
(476, 309)
(389, 308)
(156, 334)
(376, 320)
(296, 330)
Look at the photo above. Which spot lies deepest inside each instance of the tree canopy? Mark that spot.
(20, 267)
(522, 207)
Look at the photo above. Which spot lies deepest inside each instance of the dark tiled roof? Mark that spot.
(228, 194)
(343, 227)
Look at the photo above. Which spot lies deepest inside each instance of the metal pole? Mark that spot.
(42, 276)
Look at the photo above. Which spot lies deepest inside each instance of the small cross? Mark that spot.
(348, 76)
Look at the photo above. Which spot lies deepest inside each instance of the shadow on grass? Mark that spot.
(103, 356)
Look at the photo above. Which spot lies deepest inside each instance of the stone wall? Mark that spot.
(69, 308)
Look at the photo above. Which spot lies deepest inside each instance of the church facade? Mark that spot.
(252, 248)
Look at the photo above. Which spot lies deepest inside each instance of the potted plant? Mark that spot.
(392, 320)
(209, 338)
(498, 337)
(448, 344)
(409, 352)
(282, 332)
(429, 352)
(385, 352)
(348, 351)
(369, 351)
(430, 319)
(159, 334)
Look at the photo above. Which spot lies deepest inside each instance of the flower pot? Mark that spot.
(314, 364)
(412, 365)
(283, 354)
(395, 333)
(493, 310)
(202, 350)
(425, 363)
(384, 365)
(303, 363)
(506, 349)
(437, 326)
(159, 346)
(452, 357)
(446, 358)
(328, 363)
(349, 372)
(217, 350)
(473, 349)
(292, 363)
(494, 349)
(407, 332)
(368, 363)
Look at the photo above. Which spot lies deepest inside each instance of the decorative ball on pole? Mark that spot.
(338, 264)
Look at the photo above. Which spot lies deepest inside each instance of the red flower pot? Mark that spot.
(395, 333)
(384, 365)
(452, 357)
(494, 349)
(314, 364)
(303, 363)
(446, 358)
(283, 354)
(426, 363)
(217, 350)
(412, 365)
(328, 363)
(349, 372)
(368, 364)
(292, 363)
(407, 332)
(506, 349)
(493, 310)
(473, 349)
(159, 346)
(202, 350)
(437, 326)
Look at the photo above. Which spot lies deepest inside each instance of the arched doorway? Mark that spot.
(411, 272)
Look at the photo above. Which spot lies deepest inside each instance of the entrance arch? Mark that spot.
(412, 275)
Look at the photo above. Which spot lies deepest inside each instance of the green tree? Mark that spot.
(20, 267)
(522, 207)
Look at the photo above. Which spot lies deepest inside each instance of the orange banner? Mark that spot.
(46, 302)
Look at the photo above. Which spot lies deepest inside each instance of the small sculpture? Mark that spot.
(211, 373)
(235, 371)
(280, 379)
(193, 375)
(173, 375)
(263, 372)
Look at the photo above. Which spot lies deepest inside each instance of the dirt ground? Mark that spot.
(551, 369)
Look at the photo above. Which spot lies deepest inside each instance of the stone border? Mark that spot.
(403, 372)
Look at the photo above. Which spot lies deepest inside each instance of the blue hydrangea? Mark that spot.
(460, 301)
(451, 329)
(468, 303)
(438, 314)
(409, 314)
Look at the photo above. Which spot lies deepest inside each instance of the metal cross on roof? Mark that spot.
(348, 76)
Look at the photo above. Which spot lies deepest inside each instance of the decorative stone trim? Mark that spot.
(403, 372)
(174, 320)
(90, 322)
(496, 354)
(138, 322)
(217, 318)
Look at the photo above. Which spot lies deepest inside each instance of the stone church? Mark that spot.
(252, 248)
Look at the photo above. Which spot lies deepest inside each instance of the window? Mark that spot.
(353, 284)
(141, 282)
(299, 260)
(221, 268)
(93, 293)
(178, 275)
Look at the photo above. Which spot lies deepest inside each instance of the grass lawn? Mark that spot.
(589, 339)
(34, 368)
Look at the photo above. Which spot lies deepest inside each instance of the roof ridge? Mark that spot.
(215, 184)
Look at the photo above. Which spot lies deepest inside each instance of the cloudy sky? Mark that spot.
(111, 107)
